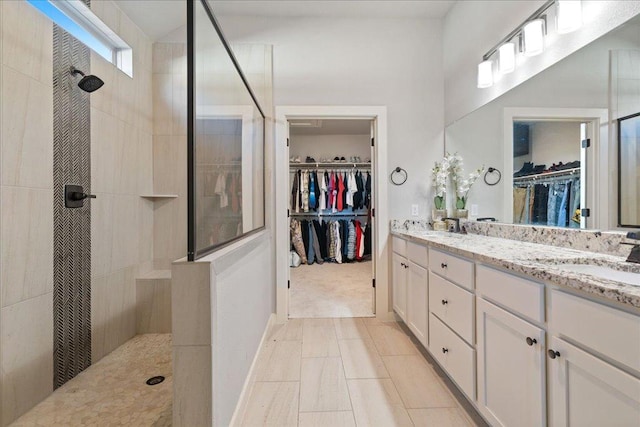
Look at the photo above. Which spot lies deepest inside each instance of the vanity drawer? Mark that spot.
(451, 267)
(516, 294)
(608, 331)
(419, 254)
(399, 246)
(456, 357)
(453, 305)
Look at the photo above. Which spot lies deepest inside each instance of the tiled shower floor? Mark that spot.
(113, 392)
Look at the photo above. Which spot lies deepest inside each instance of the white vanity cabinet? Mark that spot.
(524, 353)
(594, 363)
(511, 350)
(399, 286)
(511, 371)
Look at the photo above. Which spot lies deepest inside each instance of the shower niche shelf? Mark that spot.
(159, 196)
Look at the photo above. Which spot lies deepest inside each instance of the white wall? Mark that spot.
(330, 146)
(551, 142)
(579, 81)
(487, 22)
(392, 62)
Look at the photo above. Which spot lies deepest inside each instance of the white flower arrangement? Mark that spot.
(452, 164)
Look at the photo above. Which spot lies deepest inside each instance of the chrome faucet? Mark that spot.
(634, 256)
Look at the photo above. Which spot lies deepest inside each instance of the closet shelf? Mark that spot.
(335, 165)
(555, 174)
(159, 196)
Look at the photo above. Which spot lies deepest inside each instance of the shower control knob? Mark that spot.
(74, 196)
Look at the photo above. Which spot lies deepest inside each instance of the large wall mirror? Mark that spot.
(629, 161)
(554, 139)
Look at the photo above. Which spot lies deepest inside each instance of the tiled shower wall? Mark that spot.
(121, 171)
(122, 222)
(26, 209)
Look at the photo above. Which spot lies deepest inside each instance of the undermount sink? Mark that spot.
(602, 272)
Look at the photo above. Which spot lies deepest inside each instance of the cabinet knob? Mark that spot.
(531, 341)
(445, 302)
(553, 354)
(445, 350)
(443, 265)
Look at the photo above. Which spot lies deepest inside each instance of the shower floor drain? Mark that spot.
(155, 380)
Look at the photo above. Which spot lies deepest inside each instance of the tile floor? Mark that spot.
(331, 290)
(113, 392)
(348, 372)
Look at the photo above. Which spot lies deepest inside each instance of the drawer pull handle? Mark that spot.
(553, 354)
(443, 265)
(445, 350)
(445, 302)
(531, 341)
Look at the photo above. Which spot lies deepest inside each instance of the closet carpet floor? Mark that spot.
(349, 372)
(113, 392)
(331, 290)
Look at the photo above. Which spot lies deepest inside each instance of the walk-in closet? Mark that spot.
(330, 217)
(548, 181)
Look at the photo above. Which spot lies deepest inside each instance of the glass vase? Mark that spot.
(461, 213)
(438, 214)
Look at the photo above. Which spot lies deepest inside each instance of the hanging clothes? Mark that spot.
(296, 240)
(221, 190)
(340, 193)
(312, 191)
(311, 255)
(367, 189)
(351, 241)
(324, 188)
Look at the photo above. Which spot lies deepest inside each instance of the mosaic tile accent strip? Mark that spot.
(72, 227)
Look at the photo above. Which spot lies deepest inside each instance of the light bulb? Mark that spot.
(533, 34)
(485, 74)
(507, 58)
(569, 16)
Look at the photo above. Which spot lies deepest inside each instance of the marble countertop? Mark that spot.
(538, 261)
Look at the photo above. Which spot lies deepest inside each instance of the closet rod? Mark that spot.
(315, 214)
(547, 175)
(335, 165)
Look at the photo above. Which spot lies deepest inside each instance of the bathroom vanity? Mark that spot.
(531, 334)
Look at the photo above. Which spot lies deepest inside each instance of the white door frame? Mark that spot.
(381, 220)
(597, 162)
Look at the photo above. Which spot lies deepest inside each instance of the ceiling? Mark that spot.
(157, 18)
(330, 127)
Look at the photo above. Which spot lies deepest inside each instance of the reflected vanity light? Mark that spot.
(533, 37)
(569, 16)
(507, 58)
(485, 74)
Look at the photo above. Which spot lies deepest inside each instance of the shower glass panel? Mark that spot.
(226, 140)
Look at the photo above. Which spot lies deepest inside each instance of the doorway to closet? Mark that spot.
(331, 232)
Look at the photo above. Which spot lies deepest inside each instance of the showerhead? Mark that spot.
(88, 83)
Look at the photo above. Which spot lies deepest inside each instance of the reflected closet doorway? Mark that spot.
(378, 274)
(331, 223)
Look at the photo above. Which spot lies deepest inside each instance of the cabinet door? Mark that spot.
(511, 371)
(400, 285)
(586, 391)
(417, 301)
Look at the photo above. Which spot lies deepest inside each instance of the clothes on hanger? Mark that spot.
(553, 202)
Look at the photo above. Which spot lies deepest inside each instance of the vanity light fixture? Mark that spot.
(485, 74)
(507, 58)
(568, 16)
(528, 38)
(533, 37)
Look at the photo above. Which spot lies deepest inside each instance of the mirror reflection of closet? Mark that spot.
(548, 178)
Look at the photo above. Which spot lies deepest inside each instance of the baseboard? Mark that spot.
(236, 419)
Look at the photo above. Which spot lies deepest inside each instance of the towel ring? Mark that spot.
(402, 179)
(491, 171)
